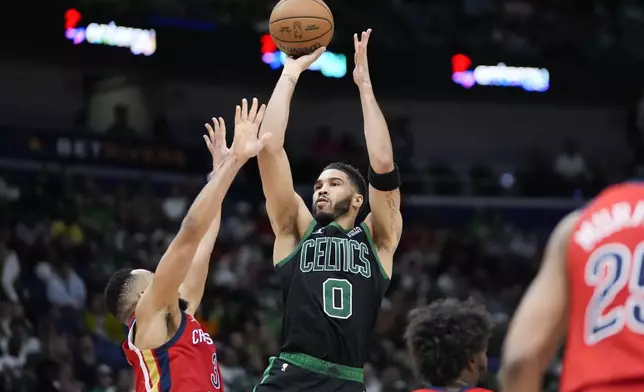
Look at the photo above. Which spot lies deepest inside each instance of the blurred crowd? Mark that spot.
(62, 234)
(527, 27)
(588, 28)
(567, 174)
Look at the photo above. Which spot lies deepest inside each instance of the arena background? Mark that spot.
(491, 156)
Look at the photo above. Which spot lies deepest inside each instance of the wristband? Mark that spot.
(385, 182)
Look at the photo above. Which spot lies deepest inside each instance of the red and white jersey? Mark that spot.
(605, 264)
(186, 363)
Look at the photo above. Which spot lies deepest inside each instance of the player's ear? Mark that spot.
(358, 200)
(471, 364)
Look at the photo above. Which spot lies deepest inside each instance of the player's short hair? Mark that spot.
(354, 175)
(116, 291)
(442, 338)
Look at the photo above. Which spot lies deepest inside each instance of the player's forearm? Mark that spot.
(522, 365)
(208, 203)
(520, 377)
(201, 261)
(207, 242)
(193, 285)
(278, 108)
(376, 132)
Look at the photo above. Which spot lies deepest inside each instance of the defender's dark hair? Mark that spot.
(354, 175)
(115, 292)
(443, 336)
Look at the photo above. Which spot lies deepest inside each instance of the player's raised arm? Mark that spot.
(173, 267)
(288, 214)
(193, 286)
(384, 179)
(539, 324)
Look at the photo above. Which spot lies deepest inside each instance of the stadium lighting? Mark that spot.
(528, 78)
(139, 41)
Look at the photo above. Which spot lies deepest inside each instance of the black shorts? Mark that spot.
(284, 376)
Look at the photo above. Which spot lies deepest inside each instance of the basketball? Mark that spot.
(299, 27)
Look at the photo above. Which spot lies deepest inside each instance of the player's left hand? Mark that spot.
(216, 142)
(246, 143)
(361, 70)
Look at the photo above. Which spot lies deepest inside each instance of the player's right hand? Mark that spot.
(302, 63)
(246, 144)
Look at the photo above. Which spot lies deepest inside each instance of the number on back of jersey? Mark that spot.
(214, 377)
(610, 269)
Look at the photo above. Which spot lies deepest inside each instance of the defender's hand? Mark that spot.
(303, 63)
(216, 142)
(361, 71)
(246, 144)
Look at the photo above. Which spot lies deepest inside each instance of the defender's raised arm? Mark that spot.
(173, 267)
(193, 285)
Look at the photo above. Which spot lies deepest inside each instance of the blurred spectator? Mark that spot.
(105, 382)
(64, 287)
(571, 166)
(10, 271)
(67, 381)
(234, 375)
(120, 127)
(371, 381)
(124, 382)
(18, 342)
(100, 322)
(29, 229)
(67, 228)
(8, 192)
(86, 364)
(176, 205)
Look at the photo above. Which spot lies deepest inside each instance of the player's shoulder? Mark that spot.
(185, 327)
(631, 190)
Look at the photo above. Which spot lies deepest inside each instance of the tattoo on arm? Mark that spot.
(393, 214)
(291, 79)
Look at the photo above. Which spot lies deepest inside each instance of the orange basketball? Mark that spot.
(299, 27)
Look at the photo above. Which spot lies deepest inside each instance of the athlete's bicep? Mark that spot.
(540, 322)
(385, 218)
(164, 289)
(285, 207)
(287, 240)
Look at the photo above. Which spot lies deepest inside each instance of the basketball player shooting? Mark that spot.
(589, 289)
(167, 348)
(333, 272)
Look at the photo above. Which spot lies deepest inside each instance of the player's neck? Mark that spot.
(455, 386)
(462, 381)
(345, 222)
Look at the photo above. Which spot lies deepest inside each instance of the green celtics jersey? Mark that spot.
(332, 285)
